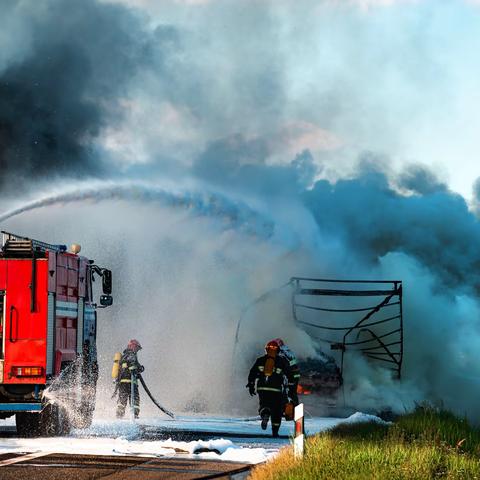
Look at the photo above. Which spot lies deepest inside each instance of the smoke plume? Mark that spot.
(208, 158)
(62, 84)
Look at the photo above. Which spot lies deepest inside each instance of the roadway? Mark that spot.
(55, 466)
(149, 449)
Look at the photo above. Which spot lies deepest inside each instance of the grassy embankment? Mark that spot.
(425, 444)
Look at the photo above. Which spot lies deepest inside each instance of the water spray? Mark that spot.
(236, 214)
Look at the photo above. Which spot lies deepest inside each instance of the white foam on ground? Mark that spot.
(119, 437)
(360, 417)
(227, 450)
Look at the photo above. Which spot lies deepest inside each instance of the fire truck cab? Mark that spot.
(48, 325)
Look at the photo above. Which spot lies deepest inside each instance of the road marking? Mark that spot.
(22, 458)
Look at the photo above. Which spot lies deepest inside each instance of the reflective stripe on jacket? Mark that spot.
(274, 382)
(128, 380)
(128, 365)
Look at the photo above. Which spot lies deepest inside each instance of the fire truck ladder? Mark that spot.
(378, 333)
(16, 245)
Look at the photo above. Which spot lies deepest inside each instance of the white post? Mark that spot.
(299, 431)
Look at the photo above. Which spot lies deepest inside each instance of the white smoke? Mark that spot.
(183, 280)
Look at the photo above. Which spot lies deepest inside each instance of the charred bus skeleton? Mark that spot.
(361, 316)
(345, 318)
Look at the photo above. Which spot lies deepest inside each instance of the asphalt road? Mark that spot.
(51, 465)
(54, 466)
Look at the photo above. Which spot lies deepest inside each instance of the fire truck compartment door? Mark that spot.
(25, 331)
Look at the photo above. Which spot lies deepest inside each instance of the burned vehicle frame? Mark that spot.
(348, 323)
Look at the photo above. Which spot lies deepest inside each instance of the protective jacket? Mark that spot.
(292, 361)
(129, 364)
(275, 381)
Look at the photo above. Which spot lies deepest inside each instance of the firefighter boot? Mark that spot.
(120, 411)
(275, 429)
(265, 415)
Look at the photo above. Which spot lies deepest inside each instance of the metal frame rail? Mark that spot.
(386, 347)
(36, 244)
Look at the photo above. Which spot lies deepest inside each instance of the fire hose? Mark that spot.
(163, 409)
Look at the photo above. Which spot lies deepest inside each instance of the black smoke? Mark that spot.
(370, 212)
(241, 163)
(436, 228)
(421, 180)
(59, 91)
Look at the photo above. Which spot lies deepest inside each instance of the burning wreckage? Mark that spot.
(345, 316)
(341, 314)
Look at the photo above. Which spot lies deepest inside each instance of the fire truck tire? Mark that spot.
(54, 421)
(28, 424)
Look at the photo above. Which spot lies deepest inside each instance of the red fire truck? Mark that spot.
(48, 326)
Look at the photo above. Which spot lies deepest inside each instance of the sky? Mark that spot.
(398, 79)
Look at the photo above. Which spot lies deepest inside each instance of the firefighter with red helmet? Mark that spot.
(127, 383)
(269, 372)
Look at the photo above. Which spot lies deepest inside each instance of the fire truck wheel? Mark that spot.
(54, 421)
(28, 424)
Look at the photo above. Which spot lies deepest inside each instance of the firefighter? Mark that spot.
(270, 371)
(292, 360)
(127, 374)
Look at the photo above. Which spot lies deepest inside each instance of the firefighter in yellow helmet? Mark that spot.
(270, 372)
(127, 375)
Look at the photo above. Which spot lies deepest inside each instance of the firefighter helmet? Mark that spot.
(272, 348)
(134, 345)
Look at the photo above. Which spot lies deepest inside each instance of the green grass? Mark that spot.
(441, 428)
(427, 443)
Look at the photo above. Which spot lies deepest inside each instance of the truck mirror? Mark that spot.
(106, 300)
(107, 282)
